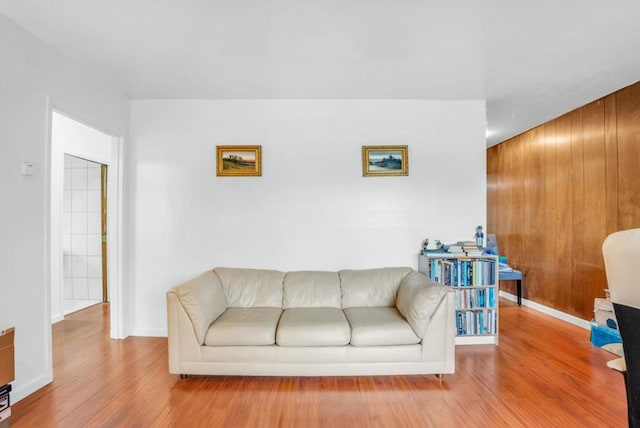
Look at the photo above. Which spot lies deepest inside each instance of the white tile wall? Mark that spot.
(93, 179)
(94, 244)
(82, 239)
(95, 288)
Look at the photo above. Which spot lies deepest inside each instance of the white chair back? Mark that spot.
(621, 252)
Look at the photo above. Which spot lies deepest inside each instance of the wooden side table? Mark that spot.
(513, 275)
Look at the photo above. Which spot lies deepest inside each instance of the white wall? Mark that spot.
(311, 209)
(34, 79)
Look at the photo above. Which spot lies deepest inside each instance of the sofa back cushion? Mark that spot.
(251, 288)
(307, 289)
(371, 287)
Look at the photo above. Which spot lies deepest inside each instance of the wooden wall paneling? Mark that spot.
(502, 186)
(628, 127)
(611, 161)
(505, 198)
(516, 244)
(506, 213)
(492, 189)
(534, 233)
(501, 211)
(549, 254)
(508, 209)
(563, 187)
(595, 230)
(561, 293)
(502, 192)
(578, 217)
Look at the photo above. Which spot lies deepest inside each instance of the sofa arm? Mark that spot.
(418, 298)
(203, 300)
(182, 343)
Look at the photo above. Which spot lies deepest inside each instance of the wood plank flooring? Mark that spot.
(544, 373)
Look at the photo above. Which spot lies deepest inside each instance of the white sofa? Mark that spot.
(353, 322)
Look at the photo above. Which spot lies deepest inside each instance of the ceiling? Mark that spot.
(531, 61)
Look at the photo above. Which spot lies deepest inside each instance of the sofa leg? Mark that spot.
(440, 376)
(183, 376)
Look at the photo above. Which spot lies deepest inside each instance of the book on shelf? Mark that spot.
(479, 298)
(462, 273)
(476, 322)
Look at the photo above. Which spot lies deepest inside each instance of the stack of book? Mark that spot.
(470, 248)
(5, 404)
(455, 249)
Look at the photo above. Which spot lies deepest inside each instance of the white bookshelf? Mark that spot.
(475, 280)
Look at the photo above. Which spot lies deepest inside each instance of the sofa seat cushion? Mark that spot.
(244, 326)
(379, 326)
(313, 327)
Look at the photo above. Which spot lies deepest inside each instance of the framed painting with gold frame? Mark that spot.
(239, 161)
(382, 161)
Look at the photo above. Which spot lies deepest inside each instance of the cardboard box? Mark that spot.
(7, 361)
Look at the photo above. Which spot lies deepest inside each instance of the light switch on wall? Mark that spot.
(28, 168)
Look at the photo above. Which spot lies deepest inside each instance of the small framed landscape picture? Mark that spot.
(238, 161)
(384, 161)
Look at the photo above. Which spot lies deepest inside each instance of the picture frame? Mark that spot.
(239, 161)
(383, 161)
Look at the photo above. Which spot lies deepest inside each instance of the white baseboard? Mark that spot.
(21, 390)
(149, 332)
(548, 311)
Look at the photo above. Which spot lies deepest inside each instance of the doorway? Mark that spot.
(91, 236)
(84, 239)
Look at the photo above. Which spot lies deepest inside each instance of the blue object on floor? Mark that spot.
(601, 335)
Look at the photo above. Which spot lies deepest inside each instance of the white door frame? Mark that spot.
(108, 152)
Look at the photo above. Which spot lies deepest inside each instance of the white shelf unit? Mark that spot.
(475, 280)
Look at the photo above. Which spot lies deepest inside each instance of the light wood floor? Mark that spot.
(544, 373)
